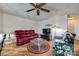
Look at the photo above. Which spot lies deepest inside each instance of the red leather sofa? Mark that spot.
(24, 36)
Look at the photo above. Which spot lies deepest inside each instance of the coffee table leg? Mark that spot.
(38, 47)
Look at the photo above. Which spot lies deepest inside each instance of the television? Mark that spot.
(46, 31)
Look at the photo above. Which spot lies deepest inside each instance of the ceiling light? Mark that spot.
(70, 17)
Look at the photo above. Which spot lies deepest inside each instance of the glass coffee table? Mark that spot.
(38, 46)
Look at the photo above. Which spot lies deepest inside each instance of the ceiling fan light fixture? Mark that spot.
(38, 7)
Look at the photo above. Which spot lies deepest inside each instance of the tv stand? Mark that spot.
(45, 36)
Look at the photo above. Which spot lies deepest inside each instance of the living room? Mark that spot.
(15, 20)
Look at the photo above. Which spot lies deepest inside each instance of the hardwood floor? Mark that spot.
(76, 47)
(13, 50)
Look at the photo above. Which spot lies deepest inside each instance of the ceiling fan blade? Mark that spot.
(30, 10)
(38, 12)
(42, 4)
(46, 10)
(32, 4)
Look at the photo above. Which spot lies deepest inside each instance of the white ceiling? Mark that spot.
(19, 9)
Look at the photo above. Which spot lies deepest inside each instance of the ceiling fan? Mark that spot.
(38, 7)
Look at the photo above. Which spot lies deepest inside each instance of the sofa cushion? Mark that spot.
(24, 36)
(29, 31)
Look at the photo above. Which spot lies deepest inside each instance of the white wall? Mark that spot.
(60, 21)
(1, 22)
(9, 23)
(12, 23)
(77, 27)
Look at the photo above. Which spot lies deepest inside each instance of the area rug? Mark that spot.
(35, 49)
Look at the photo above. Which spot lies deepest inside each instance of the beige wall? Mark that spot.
(71, 25)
